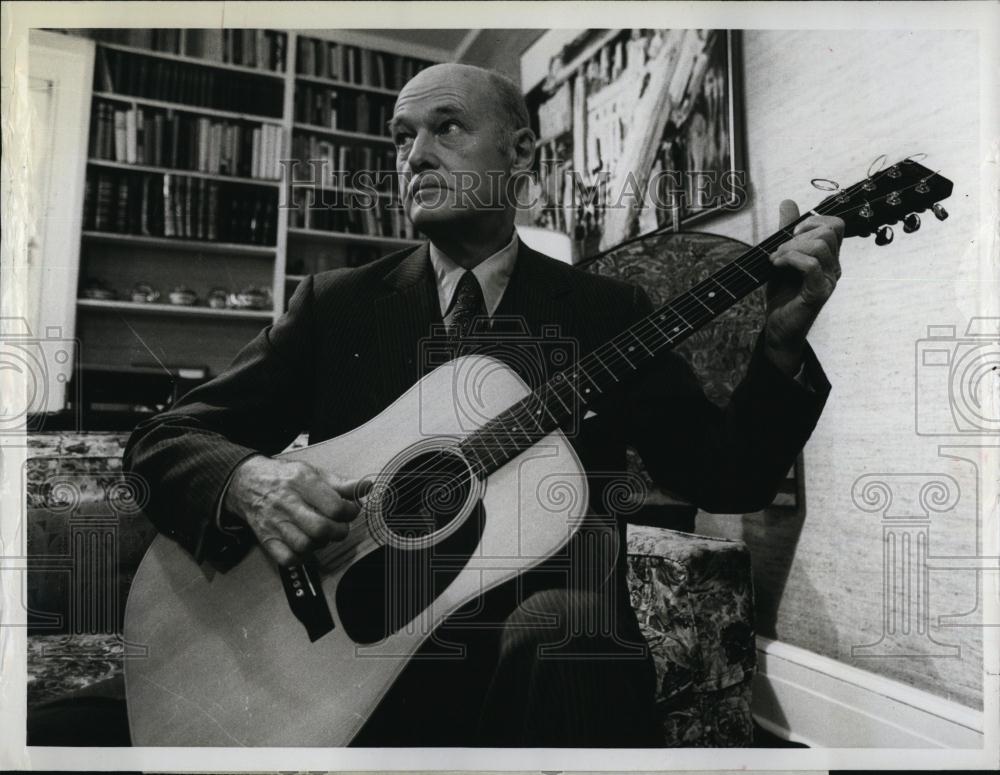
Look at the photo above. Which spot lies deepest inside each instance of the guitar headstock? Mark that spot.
(892, 194)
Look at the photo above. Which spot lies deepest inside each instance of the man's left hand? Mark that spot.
(808, 270)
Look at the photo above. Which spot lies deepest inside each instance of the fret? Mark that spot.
(535, 420)
(660, 330)
(639, 340)
(723, 286)
(590, 379)
(623, 355)
(613, 375)
(701, 302)
(740, 267)
(548, 409)
(670, 306)
(553, 391)
(569, 381)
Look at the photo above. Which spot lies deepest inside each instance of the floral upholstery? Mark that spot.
(692, 596)
(694, 600)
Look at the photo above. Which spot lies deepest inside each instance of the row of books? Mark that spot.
(379, 218)
(263, 49)
(125, 202)
(166, 40)
(342, 109)
(351, 64)
(167, 138)
(324, 162)
(138, 75)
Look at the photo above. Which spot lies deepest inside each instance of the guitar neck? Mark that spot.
(604, 371)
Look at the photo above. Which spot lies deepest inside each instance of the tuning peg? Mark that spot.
(911, 223)
(884, 235)
(939, 212)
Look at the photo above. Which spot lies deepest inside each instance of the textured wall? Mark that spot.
(825, 104)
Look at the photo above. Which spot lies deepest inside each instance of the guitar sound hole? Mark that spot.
(426, 494)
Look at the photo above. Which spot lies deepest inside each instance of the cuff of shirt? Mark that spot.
(225, 534)
(806, 391)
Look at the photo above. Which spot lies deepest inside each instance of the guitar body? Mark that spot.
(473, 486)
(228, 663)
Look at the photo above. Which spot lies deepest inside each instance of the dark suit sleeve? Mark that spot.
(258, 405)
(730, 459)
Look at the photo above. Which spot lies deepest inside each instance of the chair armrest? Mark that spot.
(693, 596)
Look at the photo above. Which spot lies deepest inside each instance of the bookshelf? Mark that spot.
(185, 188)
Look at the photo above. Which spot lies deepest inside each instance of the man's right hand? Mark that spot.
(291, 506)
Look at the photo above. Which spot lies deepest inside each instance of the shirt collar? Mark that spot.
(493, 274)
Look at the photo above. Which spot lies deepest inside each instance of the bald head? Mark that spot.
(501, 91)
(463, 148)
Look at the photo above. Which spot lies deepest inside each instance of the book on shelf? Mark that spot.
(174, 205)
(355, 65)
(255, 48)
(189, 83)
(331, 163)
(349, 213)
(342, 109)
(164, 137)
(165, 40)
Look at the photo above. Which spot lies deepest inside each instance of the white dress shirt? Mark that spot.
(492, 273)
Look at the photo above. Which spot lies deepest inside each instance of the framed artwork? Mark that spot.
(639, 131)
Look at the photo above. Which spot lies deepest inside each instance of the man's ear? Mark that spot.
(523, 149)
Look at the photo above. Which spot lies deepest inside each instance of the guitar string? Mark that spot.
(687, 303)
(680, 305)
(612, 352)
(690, 301)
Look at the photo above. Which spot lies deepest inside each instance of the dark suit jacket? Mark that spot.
(349, 345)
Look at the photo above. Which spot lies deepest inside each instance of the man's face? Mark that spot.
(448, 148)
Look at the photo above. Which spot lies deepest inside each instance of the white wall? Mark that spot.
(824, 104)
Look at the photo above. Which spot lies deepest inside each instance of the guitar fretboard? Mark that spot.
(607, 369)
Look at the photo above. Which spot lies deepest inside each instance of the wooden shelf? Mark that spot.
(342, 236)
(176, 243)
(118, 165)
(173, 309)
(342, 133)
(335, 84)
(193, 60)
(185, 107)
(341, 189)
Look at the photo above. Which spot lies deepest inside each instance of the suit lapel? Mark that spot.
(536, 294)
(404, 316)
(536, 305)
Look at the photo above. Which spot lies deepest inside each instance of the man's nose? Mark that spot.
(423, 154)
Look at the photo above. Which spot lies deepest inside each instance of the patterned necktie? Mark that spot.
(467, 305)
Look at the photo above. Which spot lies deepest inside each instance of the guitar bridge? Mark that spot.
(306, 599)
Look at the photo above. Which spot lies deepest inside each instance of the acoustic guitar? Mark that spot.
(454, 511)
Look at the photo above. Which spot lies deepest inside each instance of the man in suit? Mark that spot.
(349, 345)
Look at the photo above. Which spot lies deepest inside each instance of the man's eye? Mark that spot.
(402, 140)
(450, 127)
